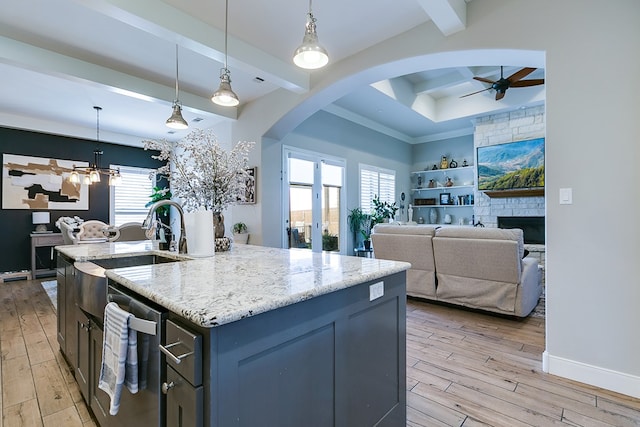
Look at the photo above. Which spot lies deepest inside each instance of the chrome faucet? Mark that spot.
(149, 222)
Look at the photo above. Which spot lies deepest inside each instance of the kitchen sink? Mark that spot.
(91, 282)
(132, 261)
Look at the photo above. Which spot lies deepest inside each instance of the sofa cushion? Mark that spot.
(515, 234)
(423, 230)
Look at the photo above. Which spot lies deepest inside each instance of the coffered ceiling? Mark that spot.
(59, 58)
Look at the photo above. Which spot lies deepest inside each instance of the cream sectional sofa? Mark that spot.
(481, 268)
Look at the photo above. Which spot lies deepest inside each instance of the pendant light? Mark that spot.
(176, 121)
(92, 173)
(310, 55)
(224, 95)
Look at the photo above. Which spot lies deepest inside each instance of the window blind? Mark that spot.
(376, 181)
(129, 198)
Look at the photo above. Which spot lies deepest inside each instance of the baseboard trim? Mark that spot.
(592, 375)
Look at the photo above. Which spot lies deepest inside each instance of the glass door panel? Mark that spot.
(313, 202)
(300, 215)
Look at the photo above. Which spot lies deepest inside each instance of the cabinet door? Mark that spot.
(99, 399)
(62, 311)
(81, 363)
(184, 402)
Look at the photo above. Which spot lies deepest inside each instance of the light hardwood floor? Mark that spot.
(463, 369)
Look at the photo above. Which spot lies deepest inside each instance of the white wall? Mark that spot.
(589, 50)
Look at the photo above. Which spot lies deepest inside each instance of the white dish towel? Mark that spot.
(119, 355)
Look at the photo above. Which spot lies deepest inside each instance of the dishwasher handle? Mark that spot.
(173, 357)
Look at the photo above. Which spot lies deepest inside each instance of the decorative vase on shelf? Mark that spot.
(218, 224)
(447, 219)
(200, 233)
(433, 216)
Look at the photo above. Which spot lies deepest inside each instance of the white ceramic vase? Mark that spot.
(200, 234)
(433, 216)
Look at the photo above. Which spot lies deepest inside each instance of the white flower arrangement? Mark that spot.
(200, 172)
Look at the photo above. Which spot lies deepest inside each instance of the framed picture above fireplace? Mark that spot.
(514, 169)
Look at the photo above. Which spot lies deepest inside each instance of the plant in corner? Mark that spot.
(356, 220)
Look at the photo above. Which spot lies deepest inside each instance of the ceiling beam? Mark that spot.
(450, 16)
(166, 22)
(16, 53)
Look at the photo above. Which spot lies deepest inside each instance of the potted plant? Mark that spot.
(367, 224)
(240, 233)
(383, 211)
(356, 219)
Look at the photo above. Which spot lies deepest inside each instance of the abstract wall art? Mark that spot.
(41, 183)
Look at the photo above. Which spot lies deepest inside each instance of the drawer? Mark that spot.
(49, 240)
(183, 352)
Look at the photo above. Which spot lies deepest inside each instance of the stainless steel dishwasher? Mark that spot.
(147, 407)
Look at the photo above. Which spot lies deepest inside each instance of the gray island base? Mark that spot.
(273, 337)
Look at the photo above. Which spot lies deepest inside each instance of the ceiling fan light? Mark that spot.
(225, 96)
(310, 55)
(176, 121)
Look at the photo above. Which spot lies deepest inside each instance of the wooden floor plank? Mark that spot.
(464, 368)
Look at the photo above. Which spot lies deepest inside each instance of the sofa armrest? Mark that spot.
(530, 286)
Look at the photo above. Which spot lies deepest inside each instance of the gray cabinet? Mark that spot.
(66, 319)
(334, 360)
(83, 326)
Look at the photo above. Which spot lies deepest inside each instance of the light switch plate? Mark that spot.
(566, 196)
(376, 291)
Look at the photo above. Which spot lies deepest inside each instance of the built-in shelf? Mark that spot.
(442, 206)
(453, 187)
(523, 192)
(461, 168)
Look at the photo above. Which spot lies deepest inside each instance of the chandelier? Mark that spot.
(92, 173)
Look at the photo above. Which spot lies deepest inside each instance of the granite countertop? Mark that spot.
(245, 281)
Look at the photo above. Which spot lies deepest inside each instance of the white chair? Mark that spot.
(92, 231)
(68, 233)
(130, 231)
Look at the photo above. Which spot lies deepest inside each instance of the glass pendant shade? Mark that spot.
(176, 121)
(86, 180)
(115, 179)
(74, 178)
(225, 96)
(94, 176)
(310, 55)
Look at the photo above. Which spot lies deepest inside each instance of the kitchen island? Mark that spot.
(265, 336)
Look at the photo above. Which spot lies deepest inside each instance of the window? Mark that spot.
(128, 198)
(376, 181)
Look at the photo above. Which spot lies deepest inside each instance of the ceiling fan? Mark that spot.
(501, 85)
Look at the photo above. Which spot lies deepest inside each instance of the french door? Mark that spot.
(314, 201)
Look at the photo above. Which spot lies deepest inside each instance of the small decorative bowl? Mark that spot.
(223, 244)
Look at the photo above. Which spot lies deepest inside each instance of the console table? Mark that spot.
(40, 240)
